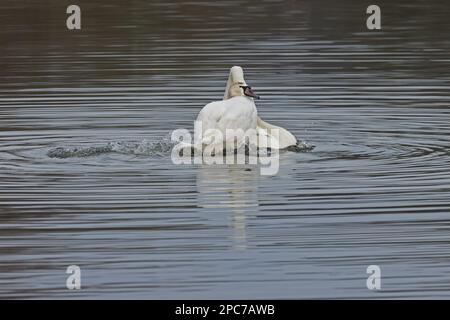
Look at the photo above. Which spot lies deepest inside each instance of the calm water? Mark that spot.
(375, 190)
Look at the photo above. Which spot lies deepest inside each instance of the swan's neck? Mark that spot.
(235, 79)
(227, 94)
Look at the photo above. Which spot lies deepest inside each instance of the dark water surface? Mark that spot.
(375, 190)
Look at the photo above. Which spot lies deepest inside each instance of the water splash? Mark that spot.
(301, 146)
(62, 152)
(144, 147)
(161, 147)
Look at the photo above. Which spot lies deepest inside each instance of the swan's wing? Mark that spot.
(209, 118)
(240, 116)
(211, 113)
(235, 113)
(285, 138)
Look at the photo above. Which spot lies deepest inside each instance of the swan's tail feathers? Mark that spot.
(284, 138)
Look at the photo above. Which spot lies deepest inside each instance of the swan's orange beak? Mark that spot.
(249, 92)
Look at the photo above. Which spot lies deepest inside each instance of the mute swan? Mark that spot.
(237, 111)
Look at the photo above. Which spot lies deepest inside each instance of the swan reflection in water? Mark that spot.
(229, 186)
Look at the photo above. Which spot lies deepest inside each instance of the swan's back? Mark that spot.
(234, 113)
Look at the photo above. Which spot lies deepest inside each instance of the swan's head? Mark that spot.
(236, 85)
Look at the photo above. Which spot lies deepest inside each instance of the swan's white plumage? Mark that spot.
(284, 138)
(238, 111)
(234, 113)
